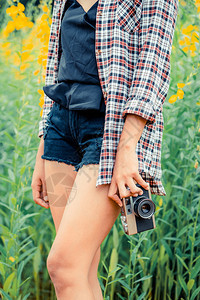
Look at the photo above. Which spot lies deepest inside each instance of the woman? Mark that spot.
(117, 146)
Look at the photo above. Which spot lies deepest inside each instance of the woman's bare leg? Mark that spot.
(87, 219)
(59, 180)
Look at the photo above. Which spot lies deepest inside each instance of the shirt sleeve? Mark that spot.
(151, 77)
(48, 103)
(51, 69)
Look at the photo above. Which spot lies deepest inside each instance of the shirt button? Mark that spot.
(99, 13)
(99, 51)
(105, 94)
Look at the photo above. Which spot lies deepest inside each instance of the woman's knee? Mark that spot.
(67, 264)
(64, 272)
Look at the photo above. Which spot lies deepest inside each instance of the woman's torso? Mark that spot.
(78, 86)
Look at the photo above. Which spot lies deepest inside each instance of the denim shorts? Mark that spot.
(73, 136)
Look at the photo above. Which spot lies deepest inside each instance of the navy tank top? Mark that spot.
(78, 86)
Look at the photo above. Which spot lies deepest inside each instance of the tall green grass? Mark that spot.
(160, 264)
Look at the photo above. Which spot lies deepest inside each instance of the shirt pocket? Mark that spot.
(129, 14)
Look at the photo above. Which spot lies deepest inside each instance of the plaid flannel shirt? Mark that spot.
(133, 48)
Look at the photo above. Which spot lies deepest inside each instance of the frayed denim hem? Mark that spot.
(77, 167)
(59, 160)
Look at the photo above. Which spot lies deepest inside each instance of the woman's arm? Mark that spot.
(126, 163)
(148, 91)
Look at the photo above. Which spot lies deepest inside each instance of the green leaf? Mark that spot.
(8, 282)
(36, 262)
(141, 297)
(183, 284)
(196, 292)
(143, 278)
(115, 237)
(5, 294)
(22, 170)
(26, 296)
(195, 269)
(113, 262)
(183, 263)
(2, 270)
(124, 284)
(190, 284)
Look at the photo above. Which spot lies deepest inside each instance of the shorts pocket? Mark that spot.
(129, 14)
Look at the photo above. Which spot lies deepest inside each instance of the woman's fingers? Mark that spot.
(37, 195)
(123, 191)
(113, 193)
(134, 190)
(44, 191)
(140, 180)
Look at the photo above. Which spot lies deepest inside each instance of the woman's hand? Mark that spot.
(125, 171)
(38, 180)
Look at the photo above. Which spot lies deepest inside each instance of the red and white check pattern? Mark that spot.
(133, 48)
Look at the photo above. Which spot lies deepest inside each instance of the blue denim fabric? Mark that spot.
(73, 137)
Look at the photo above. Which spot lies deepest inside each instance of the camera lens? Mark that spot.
(144, 208)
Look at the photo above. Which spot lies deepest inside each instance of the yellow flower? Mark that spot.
(44, 17)
(185, 49)
(173, 99)
(180, 94)
(23, 67)
(20, 22)
(8, 53)
(25, 56)
(10, 26)
(21, 6)
(29, 46)
(188, 30)
(29, 24)
(39, 60)
(182, 42)
(41, 92)
(41, 103)
(12, 258)
(196, 164)
(180, 85)
(45, 9)
(194, 38)
(160, 202)
(36, 72)
(5, 45)
(187, 40)
(12, 11)
(41, 112)
(196, 28)
(16, 60)
(193, 47)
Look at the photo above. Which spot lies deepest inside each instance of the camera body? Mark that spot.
(137, 213)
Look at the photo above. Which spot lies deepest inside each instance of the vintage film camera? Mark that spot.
(137, 213)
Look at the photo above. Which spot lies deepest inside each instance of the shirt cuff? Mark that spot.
(141, 108)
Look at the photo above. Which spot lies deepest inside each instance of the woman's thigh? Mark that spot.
(87, 219)
(59, 179)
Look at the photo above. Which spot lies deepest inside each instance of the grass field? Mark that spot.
(160, 264)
